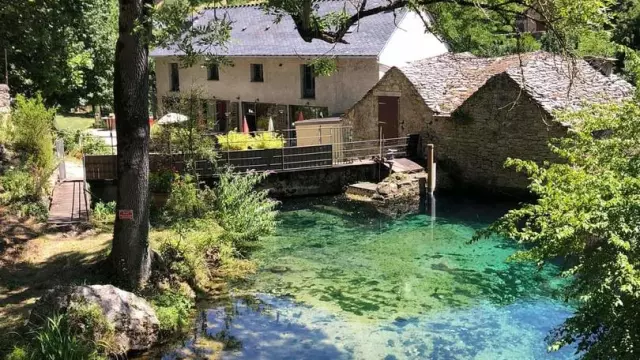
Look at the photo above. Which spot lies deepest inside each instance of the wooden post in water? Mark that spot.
(431, 168)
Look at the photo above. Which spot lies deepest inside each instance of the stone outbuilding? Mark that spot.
(480, 111)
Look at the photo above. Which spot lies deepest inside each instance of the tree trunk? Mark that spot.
(130, 254)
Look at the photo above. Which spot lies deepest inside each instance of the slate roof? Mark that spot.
(254, 32)
(446, 81)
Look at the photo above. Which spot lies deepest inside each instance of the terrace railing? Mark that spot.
(324, 147)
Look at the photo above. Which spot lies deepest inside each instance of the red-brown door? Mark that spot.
(388, 116)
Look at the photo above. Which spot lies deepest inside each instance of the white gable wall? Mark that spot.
(410, 42)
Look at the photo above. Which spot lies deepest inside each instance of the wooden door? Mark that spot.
(221, 115)
(388, 116)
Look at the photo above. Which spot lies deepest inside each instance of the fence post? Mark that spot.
(320, 134)
(431, 168)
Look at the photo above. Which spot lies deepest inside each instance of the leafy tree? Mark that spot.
(587, 213)
(60, 48)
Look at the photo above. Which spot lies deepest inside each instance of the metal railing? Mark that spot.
(303, 149)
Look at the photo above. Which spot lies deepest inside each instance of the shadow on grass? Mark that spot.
(22, 282)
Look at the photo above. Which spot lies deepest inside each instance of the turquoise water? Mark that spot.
(340, 281)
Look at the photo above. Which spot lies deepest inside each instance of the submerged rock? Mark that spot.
(135, 321)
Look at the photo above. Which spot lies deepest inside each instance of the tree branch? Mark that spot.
(309, 29)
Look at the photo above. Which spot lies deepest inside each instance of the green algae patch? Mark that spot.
(335, 256)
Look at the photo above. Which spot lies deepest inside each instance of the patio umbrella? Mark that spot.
(270, 128)
(172, 118)
(245, 125)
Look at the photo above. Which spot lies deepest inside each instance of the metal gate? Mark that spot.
(62, 172)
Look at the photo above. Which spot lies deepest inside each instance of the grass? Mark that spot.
(74, 122)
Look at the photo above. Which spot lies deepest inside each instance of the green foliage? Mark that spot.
(477, 31)
(243, 211)
(70, 46)
(22, 191)
(6, 129)
(18, 353)
(587, 212)
(93, 145)
(174, 310)
(104, 213)
(60, 339)
(186, 200)
(190, 251)
(18, 185)
(324, 66)
(267, 140)
(160, 182)
(234, 140)
(195, 42)
(77, 143)
(32, 135)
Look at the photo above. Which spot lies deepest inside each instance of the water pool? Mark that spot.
(340, 281)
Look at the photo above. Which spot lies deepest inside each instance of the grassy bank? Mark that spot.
(74, 122)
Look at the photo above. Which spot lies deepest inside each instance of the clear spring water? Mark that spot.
(340, 281)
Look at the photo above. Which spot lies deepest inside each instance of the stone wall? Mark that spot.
(413, 113)
(497, 122)
(315, 182)
(5, 99)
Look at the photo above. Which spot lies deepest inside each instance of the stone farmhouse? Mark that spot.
(270, 75)
(479, 111)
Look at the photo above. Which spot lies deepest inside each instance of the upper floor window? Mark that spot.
(307, 82)
(257, 74)
(213, 72)
(175, 77)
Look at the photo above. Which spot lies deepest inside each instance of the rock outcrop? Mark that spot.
(135, 321)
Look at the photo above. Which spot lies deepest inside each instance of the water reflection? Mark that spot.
(268, 327)
(340, 281)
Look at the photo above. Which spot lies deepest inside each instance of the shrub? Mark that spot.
(77, 142)
(93, 145)
(185, 201)
(61, 339)
(18, 353)
(6, 129)
(18, 185)
(243, 211)
(22, 192)
(104, 212)
(188, 249)
(32, 133)
(267, 140)
(173, 309)
(160, 182)
(234, 141)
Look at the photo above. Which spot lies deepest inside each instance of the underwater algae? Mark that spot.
(342, 282)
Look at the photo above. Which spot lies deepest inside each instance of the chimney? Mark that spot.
(602, 64)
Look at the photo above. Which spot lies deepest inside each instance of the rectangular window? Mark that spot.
(213, 72)
(307, 82)
(175, 77)
(257, 73)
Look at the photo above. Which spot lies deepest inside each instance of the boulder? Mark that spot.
(387, 189)
(135, 321)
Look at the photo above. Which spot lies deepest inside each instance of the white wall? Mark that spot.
(409, 43)
(338, 92)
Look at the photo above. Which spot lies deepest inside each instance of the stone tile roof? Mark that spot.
(254, 32)
(446, 81)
